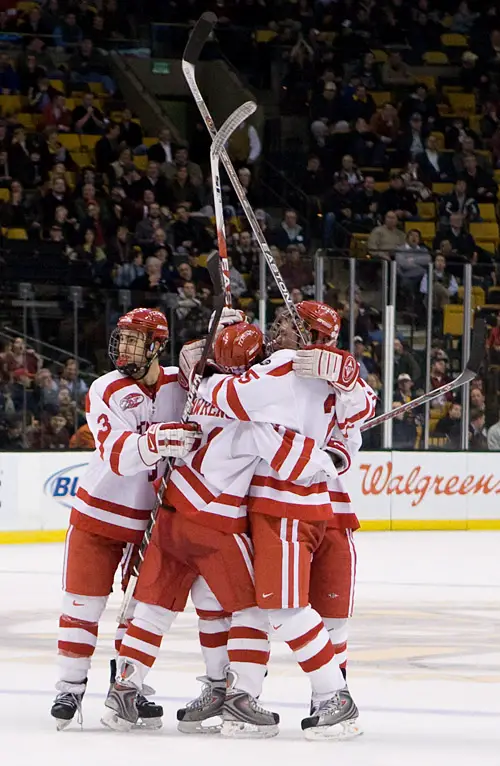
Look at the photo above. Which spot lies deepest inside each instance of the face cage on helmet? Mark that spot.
(132, 369)
(283, 334)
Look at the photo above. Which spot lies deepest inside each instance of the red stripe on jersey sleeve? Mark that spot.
(283, 369)
(234, 402)
(116, 451)
(303, 460)
(115, 386)
(283, 451)
(198, 458)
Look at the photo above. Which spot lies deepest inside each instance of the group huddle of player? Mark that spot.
(255, 523)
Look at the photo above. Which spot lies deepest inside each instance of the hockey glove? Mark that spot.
(189, 357)
(168, 440)
(339, 455)
(228, 317)
(326, 363)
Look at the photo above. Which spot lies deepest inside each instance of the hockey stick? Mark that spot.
(470, 372)
(232, 122)
(214, 270)
(192, 52)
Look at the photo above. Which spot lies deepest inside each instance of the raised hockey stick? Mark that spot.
(233, 121)
(197, 40)
(213, 266)
(470, 372)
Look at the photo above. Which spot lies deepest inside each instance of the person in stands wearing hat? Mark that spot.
(404, 388)
(366, 364)
(21, 390)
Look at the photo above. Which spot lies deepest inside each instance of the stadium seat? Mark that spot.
(380, 56)
(427, 210)
(486, 231)
(462, 102)
(71, 141)
(427, 80)
(439, 138)
(27, 120)
(81, 159)
(487, 211)
(494, 295)
(264, 35)
(88, 142)
(441, 188)
(427, 229)
(4, 195)
(141, 161)
(436, 58)
(453, 40)
(58, 85)
(149, 141)
(25, 6)
(490, 247)
(478, 296)
(11, 104)
(17, 234)
(381, 97)
(98, 89)
(381, 186)
(453, 322)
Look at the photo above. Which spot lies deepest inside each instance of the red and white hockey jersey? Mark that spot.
(295, 477)
(211, 485)
(116, 493)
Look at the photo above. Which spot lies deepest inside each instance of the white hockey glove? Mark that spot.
(326, 363)
(228, 317)
(168, 440)
(339, 455)
(189, 357)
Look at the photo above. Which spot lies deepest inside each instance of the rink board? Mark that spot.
(389, 490)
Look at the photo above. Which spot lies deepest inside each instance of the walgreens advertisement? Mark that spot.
(389, 490)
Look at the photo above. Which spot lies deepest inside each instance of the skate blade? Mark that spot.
(340, 731)
(242, 730)
(111, 720)
(62, 723)
(196, 727)
(148, 723)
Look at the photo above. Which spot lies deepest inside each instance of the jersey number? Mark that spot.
(103, 432)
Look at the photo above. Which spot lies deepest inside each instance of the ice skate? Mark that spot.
(150, 714)
(68, 703)
(208, 705)
(335, 718)
(243, 717)
(121, 712)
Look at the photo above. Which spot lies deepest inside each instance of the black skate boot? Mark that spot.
(150, 714)
(243, 717)
(208, 705)
(335, 718)
(68, 703)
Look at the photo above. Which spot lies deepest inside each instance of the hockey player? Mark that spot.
(134, 415)
(289, 515)
(199, 543)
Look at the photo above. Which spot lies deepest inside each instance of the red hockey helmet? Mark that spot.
(138, 339)
(237, 347)
(322, 320)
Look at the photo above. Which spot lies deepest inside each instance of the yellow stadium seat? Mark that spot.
(72, 103)
(97, 88)
(381, 97)
(487, 211)
(439, 138)
(11, 104)
(82, 159)
(490, 247)
(17, 234)
(245, 302)
(427, 79)
(4, 195)
(149, 141)
(442, 188)
(264, 35)
(462, 102)
(71, 141)
(453, 322)
(436, 58)
(380, 56)
(452, 89)
(381, 186)
(486, 231)
(25, 6)
(453, 40)
(141, 161)
(57, 85)
(478, 297)
(496, 175)
(27, 120)
(427, 210)
(427, 229)
(447, 21)
(475, 123)
(89, 142)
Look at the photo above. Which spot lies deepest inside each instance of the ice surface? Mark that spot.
(424, 667)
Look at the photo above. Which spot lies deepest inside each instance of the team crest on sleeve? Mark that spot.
(349, 369)
(130, 401)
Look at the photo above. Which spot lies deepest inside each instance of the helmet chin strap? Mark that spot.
(136, 372)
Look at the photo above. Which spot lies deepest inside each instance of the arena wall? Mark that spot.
(389, 490)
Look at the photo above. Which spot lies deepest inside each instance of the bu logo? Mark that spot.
(130, 401)
(348, 369)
